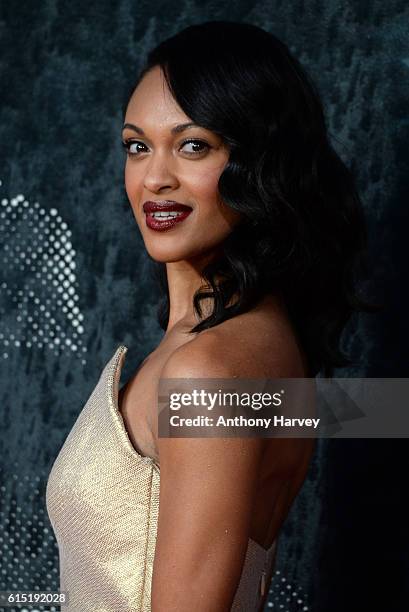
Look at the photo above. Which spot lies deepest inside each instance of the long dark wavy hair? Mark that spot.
(303, 231)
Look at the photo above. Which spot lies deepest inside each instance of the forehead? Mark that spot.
(152, 101)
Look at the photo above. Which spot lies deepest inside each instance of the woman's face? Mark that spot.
(171, 160)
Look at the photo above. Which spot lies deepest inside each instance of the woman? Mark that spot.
(255, 226)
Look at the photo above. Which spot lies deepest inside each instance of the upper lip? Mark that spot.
(164, 205)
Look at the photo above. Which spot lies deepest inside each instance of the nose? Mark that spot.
(159, 176)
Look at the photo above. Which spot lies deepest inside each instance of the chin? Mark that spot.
(163, 258)
(170, 255)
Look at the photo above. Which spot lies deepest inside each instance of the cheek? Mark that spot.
(202, 184)
(205, 184)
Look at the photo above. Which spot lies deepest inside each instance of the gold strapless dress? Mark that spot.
(102, 499)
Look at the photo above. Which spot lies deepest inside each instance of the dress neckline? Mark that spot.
(114, 375)
(113, 379)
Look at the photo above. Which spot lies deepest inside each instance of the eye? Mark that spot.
(140, 147)
(196, 146)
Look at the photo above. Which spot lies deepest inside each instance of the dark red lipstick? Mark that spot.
(162, 215)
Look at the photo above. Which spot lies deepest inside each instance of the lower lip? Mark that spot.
(164, 224)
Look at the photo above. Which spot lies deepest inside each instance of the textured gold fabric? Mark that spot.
(102, 499)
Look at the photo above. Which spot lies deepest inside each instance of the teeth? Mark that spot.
(158, 215)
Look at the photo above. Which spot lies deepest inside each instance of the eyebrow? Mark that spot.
(175, 130)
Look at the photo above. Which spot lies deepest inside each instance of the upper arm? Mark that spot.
(207, 493)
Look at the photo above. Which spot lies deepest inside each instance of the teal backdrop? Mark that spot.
(75, 281)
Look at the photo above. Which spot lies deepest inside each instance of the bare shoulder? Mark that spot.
(215, 481)
(210, 480)
(203, 356)
(259, 343)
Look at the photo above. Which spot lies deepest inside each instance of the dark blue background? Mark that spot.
(75, 281)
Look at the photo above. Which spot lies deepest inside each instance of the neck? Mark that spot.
(184, 279)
